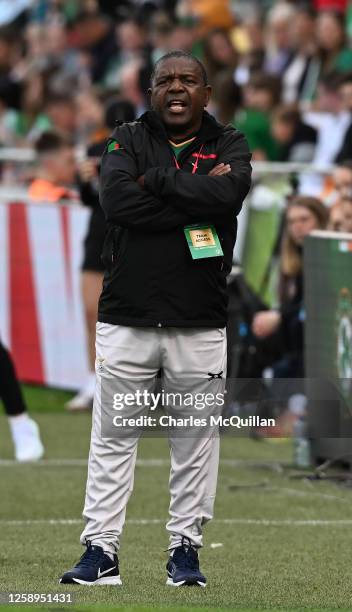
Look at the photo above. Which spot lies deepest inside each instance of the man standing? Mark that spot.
(169, 181)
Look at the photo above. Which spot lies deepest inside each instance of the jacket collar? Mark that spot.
(209, 129)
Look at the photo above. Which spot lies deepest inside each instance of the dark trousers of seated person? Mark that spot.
(10, 390)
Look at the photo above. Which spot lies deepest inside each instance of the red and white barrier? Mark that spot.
(41, 313)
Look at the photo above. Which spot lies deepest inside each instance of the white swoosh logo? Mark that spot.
(100, 574)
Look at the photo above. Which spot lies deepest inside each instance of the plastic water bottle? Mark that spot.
(301, 444)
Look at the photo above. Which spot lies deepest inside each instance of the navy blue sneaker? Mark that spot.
(183, 566)
(94, 567)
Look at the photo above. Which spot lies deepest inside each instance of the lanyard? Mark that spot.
(195, 165)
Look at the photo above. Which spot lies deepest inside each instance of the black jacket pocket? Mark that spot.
(111, 247)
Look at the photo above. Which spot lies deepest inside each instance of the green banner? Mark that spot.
(328, 304)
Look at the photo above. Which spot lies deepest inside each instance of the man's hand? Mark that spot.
(220, 170)
(140, 181)
(87, 170)
(266, 323)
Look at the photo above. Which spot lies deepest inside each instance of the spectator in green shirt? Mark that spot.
(261, 95)
(331, 38)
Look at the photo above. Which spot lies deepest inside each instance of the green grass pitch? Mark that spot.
(285, 543)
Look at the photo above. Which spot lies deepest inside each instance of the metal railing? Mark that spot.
(27, 155)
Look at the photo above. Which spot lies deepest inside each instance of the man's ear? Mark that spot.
(149, 94)
(208, 92)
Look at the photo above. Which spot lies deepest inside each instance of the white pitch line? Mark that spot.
(299, 493)
(140, 462)
(75, 463)
(45, 463)
(225, 521)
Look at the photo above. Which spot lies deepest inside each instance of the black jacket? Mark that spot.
(345, 152)
(151, 278)
(95, 236)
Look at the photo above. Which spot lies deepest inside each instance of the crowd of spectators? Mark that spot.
(281, 71)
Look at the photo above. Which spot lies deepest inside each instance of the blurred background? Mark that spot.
(282, 73)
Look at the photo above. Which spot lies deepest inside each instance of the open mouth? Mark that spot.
(176, 106)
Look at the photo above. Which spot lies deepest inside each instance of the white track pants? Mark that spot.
(185, 357)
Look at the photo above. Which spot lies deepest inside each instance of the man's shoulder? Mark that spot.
(128, 129)
(231, 132)
(231, 137)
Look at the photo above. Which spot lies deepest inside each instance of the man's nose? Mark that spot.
(176, 85)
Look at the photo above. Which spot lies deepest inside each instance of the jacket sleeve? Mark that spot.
(88, 194)
(210, 196)
(346, 149)
(124, 202)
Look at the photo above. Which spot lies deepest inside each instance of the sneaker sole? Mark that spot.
(105, 581)
(31, 458)
(170, 582)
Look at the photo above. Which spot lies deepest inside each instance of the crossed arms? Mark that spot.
(166, 198)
